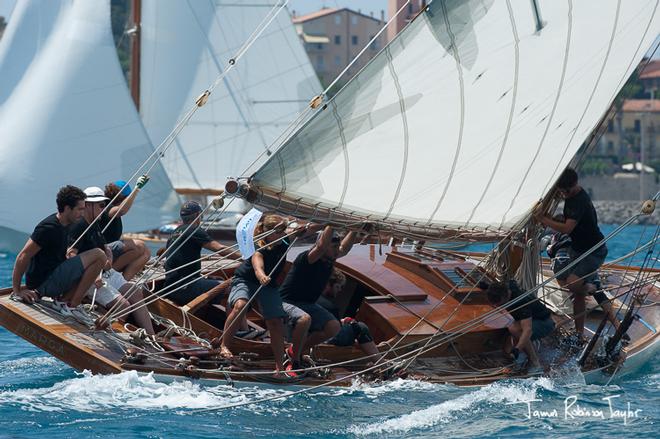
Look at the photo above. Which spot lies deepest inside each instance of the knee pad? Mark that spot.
(362, 333)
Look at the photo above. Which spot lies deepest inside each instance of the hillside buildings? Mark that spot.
(334, 37)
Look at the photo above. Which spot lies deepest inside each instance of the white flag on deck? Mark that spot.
(245, 232)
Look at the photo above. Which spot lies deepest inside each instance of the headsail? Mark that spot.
(70, 120)
(465, 119)
(185, 45)
(29, 28)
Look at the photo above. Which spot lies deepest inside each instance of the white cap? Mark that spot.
(95, 195)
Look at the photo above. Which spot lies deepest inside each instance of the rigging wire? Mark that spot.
(201, 100)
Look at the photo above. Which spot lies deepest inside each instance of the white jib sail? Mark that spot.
(467, 118)
(71, 120)
(185, 46)
(30, 25)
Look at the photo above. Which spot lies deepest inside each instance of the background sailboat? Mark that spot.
(464, 121)
(28, 31)
(70, 120)
(184, 46)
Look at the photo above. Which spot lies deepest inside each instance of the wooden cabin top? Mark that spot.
(402, 284)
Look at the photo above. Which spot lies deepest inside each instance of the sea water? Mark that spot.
(43, 397)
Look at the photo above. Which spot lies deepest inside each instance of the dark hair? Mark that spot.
(568, 179)
(111, 190)
(497, 292)
(69, 196)
(337, 277)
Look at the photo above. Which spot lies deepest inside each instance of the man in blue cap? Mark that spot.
(129, 255)
(183, 253)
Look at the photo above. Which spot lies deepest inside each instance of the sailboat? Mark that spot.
(183, 47)
(454, 131)
(67, 117)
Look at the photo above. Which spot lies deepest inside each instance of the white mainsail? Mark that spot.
(464, 121)
(30, 25)
(185, 46)
(71, 120)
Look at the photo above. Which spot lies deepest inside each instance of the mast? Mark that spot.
(136, 6)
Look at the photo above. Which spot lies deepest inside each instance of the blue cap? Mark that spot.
(122, 184)
(189, 209)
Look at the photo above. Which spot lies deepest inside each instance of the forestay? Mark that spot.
(70, 120)
(465, 120)
(185, 46)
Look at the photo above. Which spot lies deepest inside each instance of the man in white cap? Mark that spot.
(111, 285)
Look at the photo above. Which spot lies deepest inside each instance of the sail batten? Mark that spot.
(465, 118)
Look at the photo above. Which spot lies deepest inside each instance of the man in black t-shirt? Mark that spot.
(111, 290)
(43, 258)
(304, 284)
(531, 321)
(184, 250)
(581, 224)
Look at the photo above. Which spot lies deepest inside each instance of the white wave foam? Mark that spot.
(28, 362)
(502, 393)
(398, 385)
(128, 390)
(10, 367)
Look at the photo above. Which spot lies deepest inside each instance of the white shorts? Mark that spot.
(114, 278)
(104, 295)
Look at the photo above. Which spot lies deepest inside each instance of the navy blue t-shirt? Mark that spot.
(586, 233)
(93, 238)
(178, 254)
(53, 238)
(527, 307)
(272, 255)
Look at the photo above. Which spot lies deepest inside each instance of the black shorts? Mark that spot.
(350, 333)
(583, 269)
(63, 278)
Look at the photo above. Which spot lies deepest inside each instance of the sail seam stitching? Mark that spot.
(459, 70)
(406, 139)
(593, 92)
(552, 112)
(344, 148)
(514, 96)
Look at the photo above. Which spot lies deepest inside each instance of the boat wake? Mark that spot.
(96, 393)
(445, 412)
(129, 390)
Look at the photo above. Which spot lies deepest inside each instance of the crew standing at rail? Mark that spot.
(581, 224)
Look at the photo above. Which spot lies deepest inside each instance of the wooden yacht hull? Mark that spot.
(405, 297)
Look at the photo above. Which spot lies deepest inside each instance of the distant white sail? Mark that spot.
(185, 45)
(30, 25)
(467, 118)
(70, 120)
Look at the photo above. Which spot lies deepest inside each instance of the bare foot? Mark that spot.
(225, 352)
